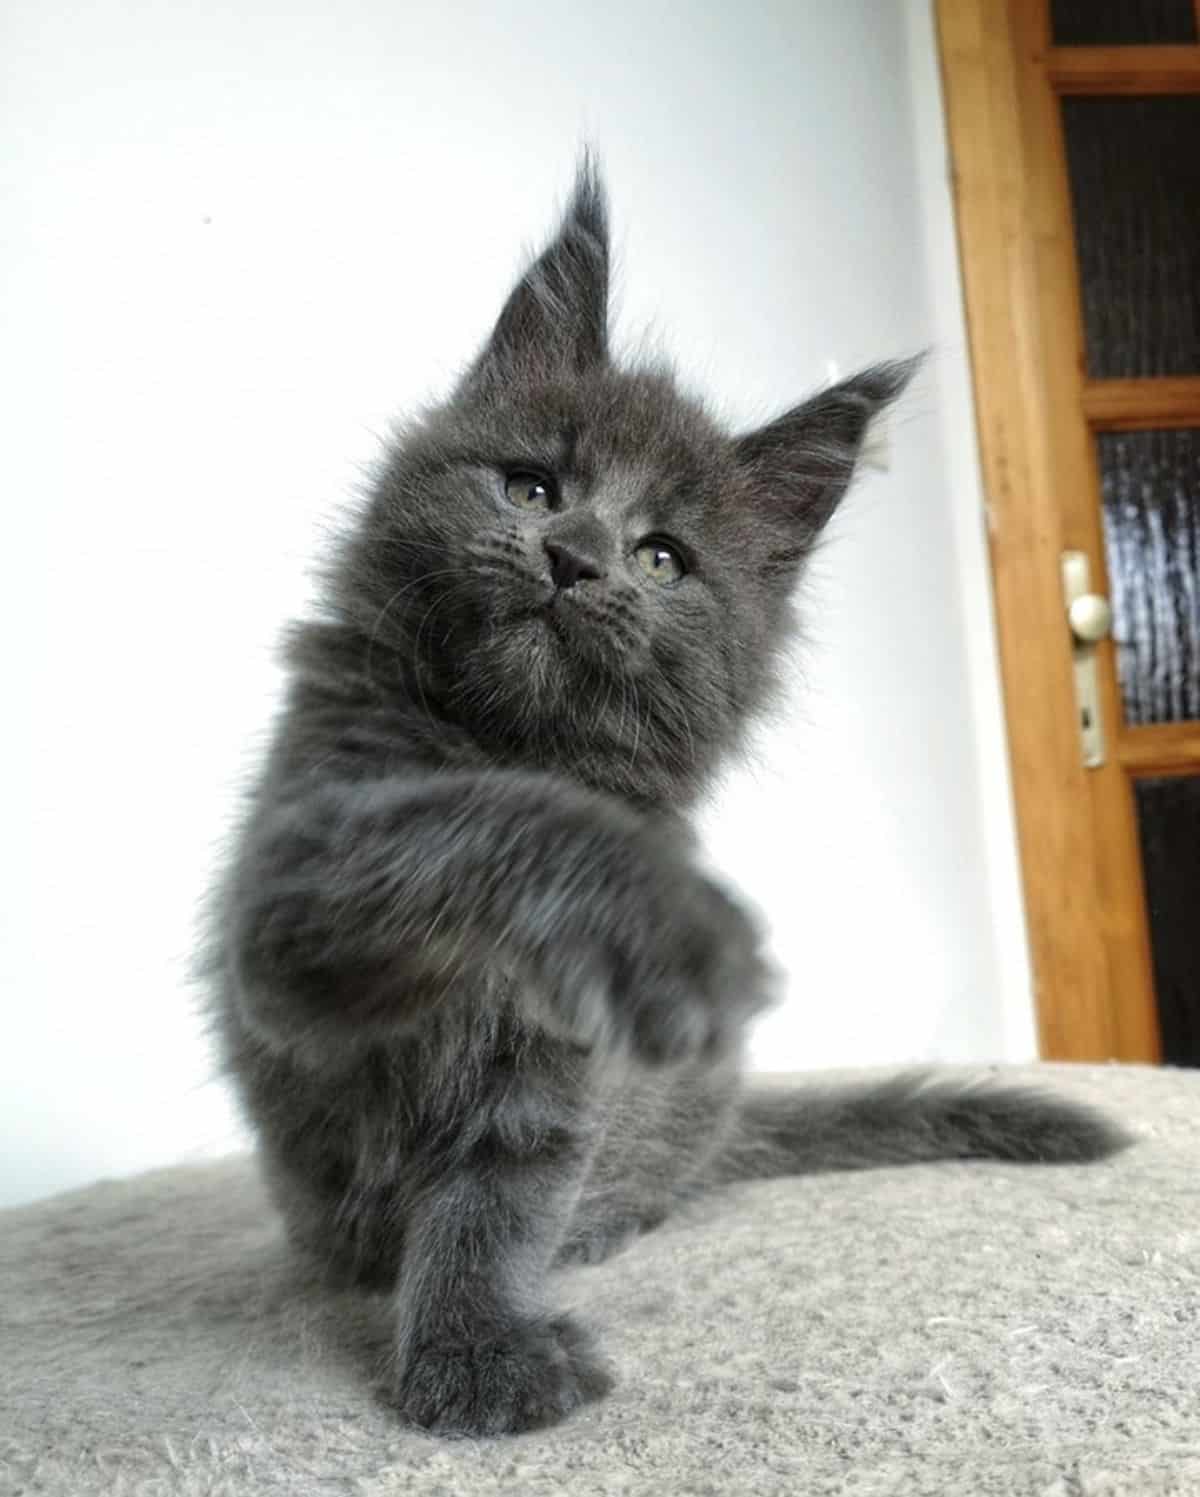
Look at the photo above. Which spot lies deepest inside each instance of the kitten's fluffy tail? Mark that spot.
(911, 1119)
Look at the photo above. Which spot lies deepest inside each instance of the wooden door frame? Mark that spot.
(1088, 936)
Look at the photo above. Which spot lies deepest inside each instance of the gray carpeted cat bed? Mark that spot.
(941, 1329)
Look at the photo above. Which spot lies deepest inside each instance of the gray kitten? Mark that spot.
(480, 1003)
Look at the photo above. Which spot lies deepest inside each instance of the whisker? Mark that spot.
(390, 604)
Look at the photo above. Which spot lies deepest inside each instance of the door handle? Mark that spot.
(1089, 618)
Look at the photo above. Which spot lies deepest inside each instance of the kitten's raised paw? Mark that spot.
(697, 981)
(530, 1376)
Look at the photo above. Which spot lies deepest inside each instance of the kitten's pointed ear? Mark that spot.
(556, 318)
(802, 463)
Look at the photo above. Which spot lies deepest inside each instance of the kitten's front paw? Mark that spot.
(528, 1377)
(706, 980)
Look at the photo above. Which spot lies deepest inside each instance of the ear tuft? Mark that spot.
(587, 210)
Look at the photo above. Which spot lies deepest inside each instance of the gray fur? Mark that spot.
(480, 1003)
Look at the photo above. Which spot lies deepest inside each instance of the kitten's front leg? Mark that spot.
(477, 1351)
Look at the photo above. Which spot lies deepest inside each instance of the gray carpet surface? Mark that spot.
(946, 1329)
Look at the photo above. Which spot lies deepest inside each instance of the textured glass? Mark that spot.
(1101, 22)
(1134, 165)
(1150, 482)
(1169, 821)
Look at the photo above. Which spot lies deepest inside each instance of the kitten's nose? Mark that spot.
(572, 563)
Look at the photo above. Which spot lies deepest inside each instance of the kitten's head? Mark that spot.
(574, 561)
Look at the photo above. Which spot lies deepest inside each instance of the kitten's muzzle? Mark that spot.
(572, 563)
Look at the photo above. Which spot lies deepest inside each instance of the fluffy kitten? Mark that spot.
(480, 1003)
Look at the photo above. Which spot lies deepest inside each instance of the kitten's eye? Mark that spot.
(529, 491)
(660, 562)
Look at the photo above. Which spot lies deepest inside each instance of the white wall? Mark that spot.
(239, 236)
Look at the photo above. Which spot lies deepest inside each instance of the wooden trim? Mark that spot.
(1053, 807)
(1036, 23)
(1114, 848)
(1160, 748)
(1141, 404)
(1124, 70)
(1025, 328)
